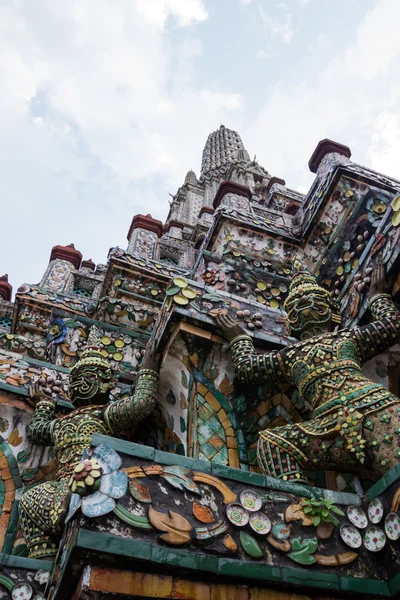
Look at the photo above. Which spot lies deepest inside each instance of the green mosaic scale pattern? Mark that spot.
(211, 439)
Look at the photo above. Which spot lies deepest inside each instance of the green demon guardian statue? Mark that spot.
(43, 508)
(356, 422)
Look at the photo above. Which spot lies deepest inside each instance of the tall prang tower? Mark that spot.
(199, 519)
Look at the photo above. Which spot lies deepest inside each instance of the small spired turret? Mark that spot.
(191, 178)
(222, 148)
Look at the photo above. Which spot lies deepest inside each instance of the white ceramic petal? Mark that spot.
(97, 505)
(375, 511)
(74, 504)
(114, 484)
(107, 458)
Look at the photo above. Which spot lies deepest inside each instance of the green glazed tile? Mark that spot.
(123, 447)
(230, 566)
(112, 544)
(342, 497)
(221, 456)
(311, 578)
(238, 475)
(394, 584)
(364, 586)
(208, 450)
(32, 564)
(382, 485)
(166, 458)
(184, 559)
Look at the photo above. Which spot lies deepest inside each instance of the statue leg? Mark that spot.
(287, 452)
(381, 430)
(279, 454)
(42, 510)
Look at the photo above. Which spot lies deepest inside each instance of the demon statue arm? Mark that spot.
(127, 412)
(41, 428)
(384, 331)
(249, 366)
(355, 422)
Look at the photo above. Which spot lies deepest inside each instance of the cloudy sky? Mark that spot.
(106, 104)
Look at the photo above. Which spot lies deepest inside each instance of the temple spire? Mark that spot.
(222, 147)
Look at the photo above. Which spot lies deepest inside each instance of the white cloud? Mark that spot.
(263, 54)
(185, 11)
(104, 109)
(99, 107)
(276, 27)
(384, 150)
(340, 102)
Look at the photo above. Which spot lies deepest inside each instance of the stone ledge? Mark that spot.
(111, 544)
(240, 475)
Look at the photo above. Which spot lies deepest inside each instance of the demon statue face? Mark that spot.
(310, 310)
(91, 379)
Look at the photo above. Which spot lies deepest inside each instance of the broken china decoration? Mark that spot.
(248, 522)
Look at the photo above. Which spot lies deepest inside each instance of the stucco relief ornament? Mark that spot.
(96, 483)
(57, 331)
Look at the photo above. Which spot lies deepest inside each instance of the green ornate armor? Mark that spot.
(356, 422)
(43, 507)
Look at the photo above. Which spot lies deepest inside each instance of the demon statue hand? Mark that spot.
(43, 508)
(356, 422)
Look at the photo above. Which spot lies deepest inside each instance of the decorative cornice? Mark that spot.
(274, 180)
(324, 147)
(5, 288)
(206, 210)
(173, 223)
(230, 187)
(68, 253)
(88, 264)
(146, 222)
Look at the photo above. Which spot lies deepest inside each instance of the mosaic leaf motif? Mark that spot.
(302, 550)
(226, 386)
(23, 455)
(202, 513)
(72, 324)
(176, 526)
(230, 543)
(179, 478)
(15, 439)
(250, 545)
(131, 519)
(139, 491)
(184, 380)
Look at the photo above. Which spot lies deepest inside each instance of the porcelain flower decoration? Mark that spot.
(97, 483)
